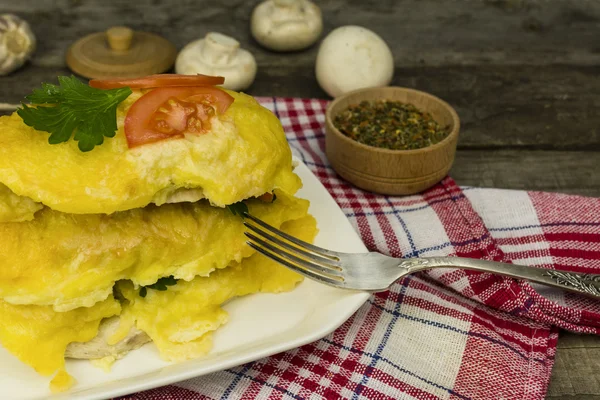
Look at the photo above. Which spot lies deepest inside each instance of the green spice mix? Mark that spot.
(390, 124)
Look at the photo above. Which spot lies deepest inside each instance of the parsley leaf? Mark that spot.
(74, 108)
(160, 285)
(238, 208)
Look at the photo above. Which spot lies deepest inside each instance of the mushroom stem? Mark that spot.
(8, 107)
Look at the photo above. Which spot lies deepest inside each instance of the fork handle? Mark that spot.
(586, 284)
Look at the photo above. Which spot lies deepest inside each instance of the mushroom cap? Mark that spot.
(218, 54)
(17, 43)
(286, 25)
(353, 57)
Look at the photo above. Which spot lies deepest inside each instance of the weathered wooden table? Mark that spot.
(524, 76)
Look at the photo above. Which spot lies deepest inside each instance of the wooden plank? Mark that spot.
(576, 369)
(569, 340)
(523, 169)
(419, 32)
(495, 103)
(554, 171)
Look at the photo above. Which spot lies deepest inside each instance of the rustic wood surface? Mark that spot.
(524, 76)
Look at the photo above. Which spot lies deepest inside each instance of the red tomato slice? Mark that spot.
(168, 112)
(158, 80)
(267, 197)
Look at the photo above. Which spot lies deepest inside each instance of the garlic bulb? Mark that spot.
(286, 25)
(220, 55)
(17, 43)
(353, 57)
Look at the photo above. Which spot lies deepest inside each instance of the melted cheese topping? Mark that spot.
(180, 321)
(245, 154)
(39, 336)
(69, 261)
(15, 208)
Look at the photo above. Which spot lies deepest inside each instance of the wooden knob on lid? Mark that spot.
(121, 52)
(119, 38)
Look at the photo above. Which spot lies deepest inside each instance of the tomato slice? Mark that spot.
(158, 80)
(168, 112)
(267, 197)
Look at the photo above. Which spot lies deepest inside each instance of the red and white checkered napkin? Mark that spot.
(447, 334)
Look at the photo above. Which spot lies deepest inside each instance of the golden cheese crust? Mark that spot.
(180, 321)
(81, 232)
(245, 154)
(69, 261)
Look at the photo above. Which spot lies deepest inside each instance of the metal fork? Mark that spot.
(376, 272)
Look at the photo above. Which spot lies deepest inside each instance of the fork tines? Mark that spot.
(311, 261)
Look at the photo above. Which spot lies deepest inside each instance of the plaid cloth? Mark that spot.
(446, 334)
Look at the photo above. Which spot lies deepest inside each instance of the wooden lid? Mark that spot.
(121, 53)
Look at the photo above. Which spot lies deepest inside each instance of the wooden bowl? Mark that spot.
(393, 172)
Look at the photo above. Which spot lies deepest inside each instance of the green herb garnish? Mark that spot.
(74, 108)
(160, 285)
(238, 208)
(390, 125)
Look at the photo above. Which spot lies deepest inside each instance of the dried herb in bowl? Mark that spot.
(390, 125)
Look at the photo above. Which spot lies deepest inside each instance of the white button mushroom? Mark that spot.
(17, 43)
(221, 55)
(286, 25)
(353, 57)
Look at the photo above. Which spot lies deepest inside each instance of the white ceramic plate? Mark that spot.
(260, 325)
